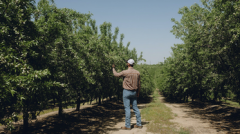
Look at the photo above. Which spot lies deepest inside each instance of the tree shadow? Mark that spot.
(96, 119)
(221, 116)
(145, 100)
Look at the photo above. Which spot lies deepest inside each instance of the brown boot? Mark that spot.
(136, 126)
(125, 128)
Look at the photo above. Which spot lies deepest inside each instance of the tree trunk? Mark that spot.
(118, 96)
(91, 101)
(201, 93)
(110, 95)
(99, 100)
(215, 95)
(34, 115)
(78, 102)
(99, 96)
(60, 110)
(25, 118)
(184, 98)
(54, 100)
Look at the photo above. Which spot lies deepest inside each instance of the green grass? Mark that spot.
(159, 115)
(231, 103)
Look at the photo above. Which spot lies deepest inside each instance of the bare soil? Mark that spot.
(199, 118)
(206, 117)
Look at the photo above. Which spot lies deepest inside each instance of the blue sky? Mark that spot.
(146, 24)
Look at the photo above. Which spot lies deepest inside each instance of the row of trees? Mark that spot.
(56, 54)
(147, 80)
(206, 65)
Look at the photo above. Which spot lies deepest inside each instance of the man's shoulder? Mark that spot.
(124, 71)
(136, 71)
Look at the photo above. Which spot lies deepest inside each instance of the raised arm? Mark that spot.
(115, 72)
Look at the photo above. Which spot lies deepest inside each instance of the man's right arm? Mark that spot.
(117, 74)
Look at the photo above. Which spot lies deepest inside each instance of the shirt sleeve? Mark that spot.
(121, 74)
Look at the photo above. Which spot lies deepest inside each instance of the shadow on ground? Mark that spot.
(95, 120)
(219, 114)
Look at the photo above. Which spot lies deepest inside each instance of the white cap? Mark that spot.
(130, 61)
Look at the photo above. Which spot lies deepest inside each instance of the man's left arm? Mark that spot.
(115, 72)
(139, 86)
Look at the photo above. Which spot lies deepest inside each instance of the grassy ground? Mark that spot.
(159, 115)
(231, 103)
(20, 116)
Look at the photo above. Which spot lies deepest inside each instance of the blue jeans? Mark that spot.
(130, 97)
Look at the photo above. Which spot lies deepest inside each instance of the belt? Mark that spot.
(131, 90)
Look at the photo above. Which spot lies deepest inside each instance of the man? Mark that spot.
(131, 89)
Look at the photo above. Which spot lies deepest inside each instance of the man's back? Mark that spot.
(131, 78)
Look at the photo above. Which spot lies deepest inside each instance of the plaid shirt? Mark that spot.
(131, 79)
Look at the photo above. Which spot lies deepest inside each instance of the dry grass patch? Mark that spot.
(231, 103)
(159, 115)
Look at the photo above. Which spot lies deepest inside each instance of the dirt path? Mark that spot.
(206, 117)
(186, 118)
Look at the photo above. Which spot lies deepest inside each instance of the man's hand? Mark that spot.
(113, 66)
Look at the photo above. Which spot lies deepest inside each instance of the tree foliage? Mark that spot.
(205, 66)
(49, 53)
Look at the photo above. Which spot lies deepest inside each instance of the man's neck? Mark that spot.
(129, 67)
